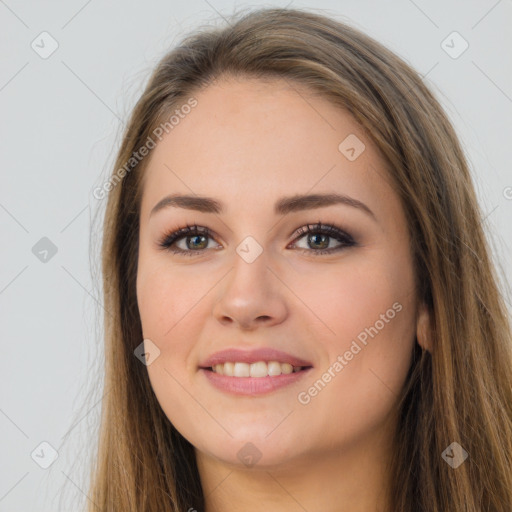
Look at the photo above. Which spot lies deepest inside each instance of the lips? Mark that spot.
(253, 356)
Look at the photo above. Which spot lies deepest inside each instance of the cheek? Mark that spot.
(371, 310)
(166, 298)
(367, 314)
(173, 306)
(170, 320)
(352, 297)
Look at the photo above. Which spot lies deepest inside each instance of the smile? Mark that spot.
(242, 382)
(259, 369)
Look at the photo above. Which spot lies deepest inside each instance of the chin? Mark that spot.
(253, 450)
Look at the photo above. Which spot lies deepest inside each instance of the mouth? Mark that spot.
(254, 372)
(255, 379)
(259, 369)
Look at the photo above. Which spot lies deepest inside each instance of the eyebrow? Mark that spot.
(283, 206)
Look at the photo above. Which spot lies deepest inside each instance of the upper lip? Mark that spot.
(252, 356)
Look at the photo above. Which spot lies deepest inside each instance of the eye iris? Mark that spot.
(195, 237)
(325, 242)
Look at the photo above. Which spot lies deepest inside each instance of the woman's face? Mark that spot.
(342, 302)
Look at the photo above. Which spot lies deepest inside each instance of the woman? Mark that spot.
(304, 312)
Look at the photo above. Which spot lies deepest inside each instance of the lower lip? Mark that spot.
(252, 385)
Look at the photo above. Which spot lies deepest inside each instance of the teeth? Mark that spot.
(241, 370)
(226, 369)
(259, 369)
(274, 368)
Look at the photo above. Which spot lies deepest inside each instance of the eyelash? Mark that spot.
(166, 243)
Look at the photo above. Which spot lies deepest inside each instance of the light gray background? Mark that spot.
(61, 125)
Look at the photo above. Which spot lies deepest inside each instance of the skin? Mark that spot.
(247, 143)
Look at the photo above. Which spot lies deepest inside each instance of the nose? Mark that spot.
(251, 296)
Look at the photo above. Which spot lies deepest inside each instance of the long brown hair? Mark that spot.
(460, 391)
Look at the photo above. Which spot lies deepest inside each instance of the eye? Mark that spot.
(318, 235)
(198, 236)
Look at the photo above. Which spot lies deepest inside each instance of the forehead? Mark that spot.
(248, 139)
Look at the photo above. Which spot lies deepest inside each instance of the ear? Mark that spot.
(424, 328)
